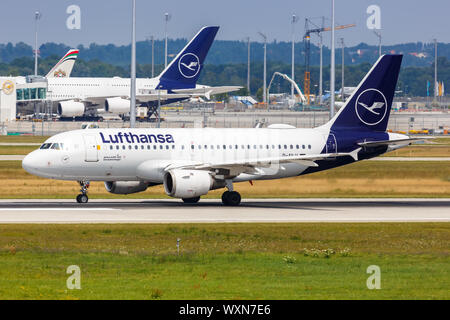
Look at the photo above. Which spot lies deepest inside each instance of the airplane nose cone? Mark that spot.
(27, 162)
(32, 163)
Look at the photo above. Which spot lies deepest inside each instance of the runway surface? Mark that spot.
(212, 211)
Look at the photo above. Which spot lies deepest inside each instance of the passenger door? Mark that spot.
(90, 147)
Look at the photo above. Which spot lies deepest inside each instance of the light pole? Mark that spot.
(37, 16)
(321, 63)
(166, 18)
(133, 68)
(343, 59)
(332, 75)
(293, 21)
(248, 65)
(435, 70)
(153, 56)
(265, 70)
(378, 34)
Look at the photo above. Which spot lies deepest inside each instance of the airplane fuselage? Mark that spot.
(143, 154)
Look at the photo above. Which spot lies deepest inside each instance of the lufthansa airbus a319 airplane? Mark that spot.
(191, 162)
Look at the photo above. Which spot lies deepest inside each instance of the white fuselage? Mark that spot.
(82, 88)
(86, 88)
(111, 156)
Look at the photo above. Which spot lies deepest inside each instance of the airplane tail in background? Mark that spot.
(369, 106)
(184, 70)
(64, 67)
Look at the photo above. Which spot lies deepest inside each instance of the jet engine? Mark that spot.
(125, 187)
(70, 108)
(117, 105)
(180, 183)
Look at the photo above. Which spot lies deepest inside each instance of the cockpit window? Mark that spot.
(45, 146)
(55, 146)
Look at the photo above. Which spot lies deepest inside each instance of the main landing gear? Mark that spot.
(230, 197)
(83, 198)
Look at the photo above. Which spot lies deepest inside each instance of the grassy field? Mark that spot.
(226, 261)
(362, 179)
(23, 139)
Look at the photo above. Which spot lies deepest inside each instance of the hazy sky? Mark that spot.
(105, 21)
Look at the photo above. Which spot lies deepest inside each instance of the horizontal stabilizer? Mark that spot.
(391, 142)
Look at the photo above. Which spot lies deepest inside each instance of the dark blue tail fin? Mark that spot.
(370, 105)
(184, 70)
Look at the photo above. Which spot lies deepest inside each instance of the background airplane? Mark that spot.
(75, 95)
(64, 67)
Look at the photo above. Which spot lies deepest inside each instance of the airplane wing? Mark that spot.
(252, 165)
(391, 142)
(207, 91)
(142, 98)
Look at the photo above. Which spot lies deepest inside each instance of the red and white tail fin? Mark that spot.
(64, 67)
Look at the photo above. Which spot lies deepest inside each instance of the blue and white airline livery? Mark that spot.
(76, 95)
(191, 162)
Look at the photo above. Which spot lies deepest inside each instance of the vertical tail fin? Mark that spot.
(184, 70)
(370, 104)
(64, 67)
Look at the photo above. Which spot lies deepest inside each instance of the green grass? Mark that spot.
(225, 261)
(362, 179)
(17, 150)
(23, 139)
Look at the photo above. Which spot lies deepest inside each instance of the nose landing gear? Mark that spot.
(230, 197)
(83, 198)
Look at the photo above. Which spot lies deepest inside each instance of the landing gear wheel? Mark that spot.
(225, 196)
(231, 198)
(191, 200)
(82, 198)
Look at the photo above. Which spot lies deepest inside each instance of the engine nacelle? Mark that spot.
(70, 108)
(117, 105)
(125, 187)
(187, 183)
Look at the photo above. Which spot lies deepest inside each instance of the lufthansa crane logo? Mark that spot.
(189, 65)
(8, 87)
(371, 107)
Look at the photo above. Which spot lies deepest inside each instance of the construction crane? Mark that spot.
(307, 46)
(286, 77)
